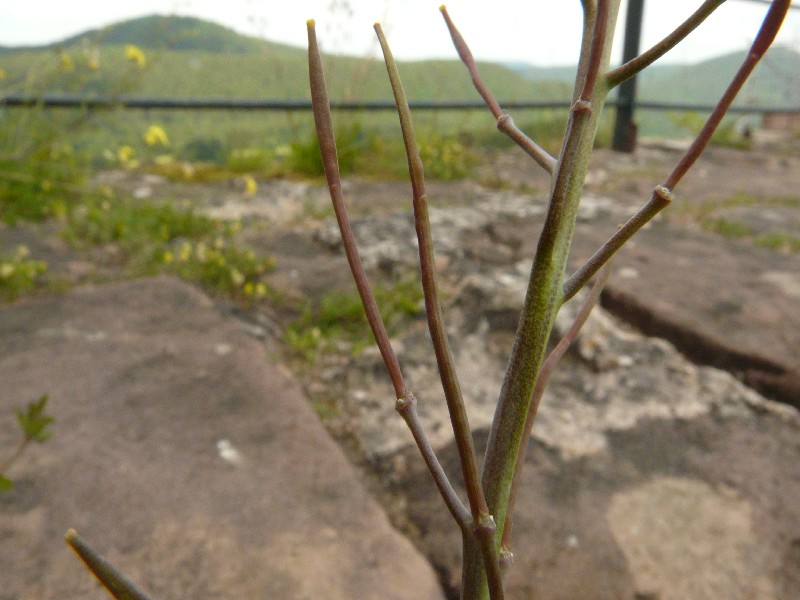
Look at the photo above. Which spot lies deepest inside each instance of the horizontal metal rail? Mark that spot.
(148, 103)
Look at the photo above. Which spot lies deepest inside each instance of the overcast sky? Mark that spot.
(543, 32)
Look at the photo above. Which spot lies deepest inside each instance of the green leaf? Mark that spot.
(34, 422)
(5, 484)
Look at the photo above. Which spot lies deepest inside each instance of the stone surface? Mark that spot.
(184, 455)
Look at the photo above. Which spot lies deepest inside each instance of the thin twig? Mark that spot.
(14, 456)
(766, 35)
(112, 578)
(406, 402)
(504, 121)
(327, 145)
(644, 60)
(407, 407)
(663, 194)
(441, 344)
(548, 366)
(660, 199)
(483, 523)
(597, 50)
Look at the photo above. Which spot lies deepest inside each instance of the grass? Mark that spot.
(780, 241)
(155, 238)
(19, 273)
(337, 320)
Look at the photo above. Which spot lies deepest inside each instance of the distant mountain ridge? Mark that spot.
(164, 32)
(232, 64)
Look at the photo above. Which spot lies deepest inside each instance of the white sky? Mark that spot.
(542, 32)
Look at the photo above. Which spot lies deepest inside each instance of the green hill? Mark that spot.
(189, 57)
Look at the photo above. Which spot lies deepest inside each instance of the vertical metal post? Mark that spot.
(625, 127)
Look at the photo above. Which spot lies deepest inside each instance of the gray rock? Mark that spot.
(183, 454)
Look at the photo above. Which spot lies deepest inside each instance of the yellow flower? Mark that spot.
(125, 154)
(250, 185)
(261, 290)
(135, 55)
(185, 252)
(236, 277)
(168, 257)
(248, 288)
(65, 62)
(2, 74)
(155, 134)
(6, 270)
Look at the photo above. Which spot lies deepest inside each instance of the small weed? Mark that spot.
(445, 158)
(162, 238)
(728, 228)
(304, 157)
(34, 423)
(220, 267)
(19, 273)
(133, 225)
(778, 241)
(339, 317)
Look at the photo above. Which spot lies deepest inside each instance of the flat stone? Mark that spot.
(184, 455)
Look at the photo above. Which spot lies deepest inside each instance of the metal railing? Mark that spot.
(236, 104)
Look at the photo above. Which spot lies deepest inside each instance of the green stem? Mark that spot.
(544, 295)
(112, 579)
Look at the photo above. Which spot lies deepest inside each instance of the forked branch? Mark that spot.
(644, 60)
(663, 194)
(504, 121)
(406, 402)
(483, 523)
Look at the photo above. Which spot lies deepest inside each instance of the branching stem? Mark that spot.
(504, 121)
(406, 402)
(644, 60)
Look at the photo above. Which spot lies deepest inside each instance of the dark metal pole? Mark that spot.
(625, 127)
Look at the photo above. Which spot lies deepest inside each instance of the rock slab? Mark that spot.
(184, 455)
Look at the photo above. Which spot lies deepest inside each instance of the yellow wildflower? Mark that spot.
(2, 74)
(261, 290)
(125, 154)
(65, 62)
(236, 277)
(135, 55)
(185, 252)
(6, 270)
(248, 288)
(155, 134)
(250, 185)
(168, 257)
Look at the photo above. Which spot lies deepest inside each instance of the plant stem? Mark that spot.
(327, 144)
(504, 121)
(549, 364)
(405, 401)
(483, 524)
(407, 407)
(544, 296)
(660, 199)
(433, 309)
(766, 35)
(112, 578)
(663, 194)
(644, 60)
(14, 456)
